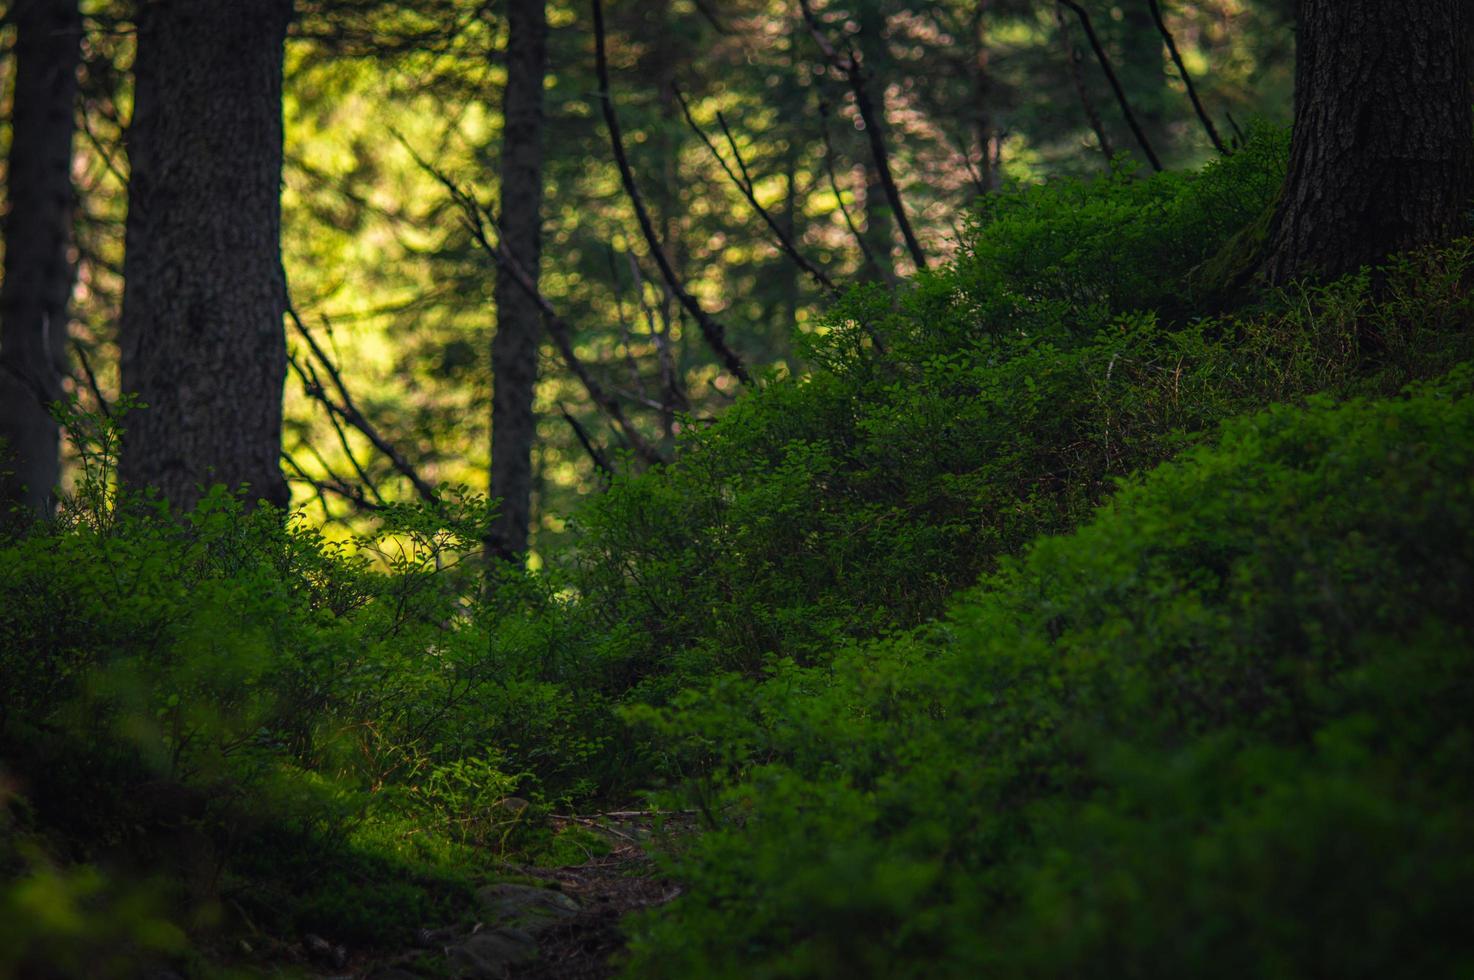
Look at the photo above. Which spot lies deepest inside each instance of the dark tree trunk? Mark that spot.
(1076, 61)
(1144, 71)
(202, 338)
(983, 125)
(514, 350)
(1382, 156)
(38, 270)
(879, 229)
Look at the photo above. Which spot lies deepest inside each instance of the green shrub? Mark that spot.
(1073, 248)
(991, 401)
(315, 733)
(1221, 730)
(858, 500)
(70, 921)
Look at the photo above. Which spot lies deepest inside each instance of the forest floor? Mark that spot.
(538, 923)
(606, 887)
(582, 946)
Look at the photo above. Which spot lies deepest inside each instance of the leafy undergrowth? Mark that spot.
(990, 402)
(1222, 730)
(226, 726)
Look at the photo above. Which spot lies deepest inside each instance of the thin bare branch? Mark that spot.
(672, 398)
(1238, 133)
(1077, 76)
(626, 338)
(104, 154)
(601, 462)
(1110, 74)
(562, 337)
(475, 218)
(849, 64)
(1187, 80)
(312, 385)
(333, 485)
(302, 477)
(711, 18)
(92, 385)
(712, 330)
(849, 221)
(745, 184)
(348, 410)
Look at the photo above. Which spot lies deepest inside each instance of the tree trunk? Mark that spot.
(514, 350)
(1076, 62)
(880, 235)
(38, 270)
(1382, 155)
(984, 126)
(201, 334)
(1143, 72)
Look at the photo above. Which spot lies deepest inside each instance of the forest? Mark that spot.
(736, 489)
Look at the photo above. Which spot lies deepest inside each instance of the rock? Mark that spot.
(322, 951)
(524, 907)
(514, 806)
(489, 954)
(431, 938)
(391, 973)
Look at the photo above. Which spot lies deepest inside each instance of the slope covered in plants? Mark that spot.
(1202, 714)
(1220, 730)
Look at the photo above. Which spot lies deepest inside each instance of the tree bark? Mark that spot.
(1382, 152)
(1144, 71)
(514, 349)
(38, 269)
(879, 229)
(1077, 77)
(984, 126)
(202, 336)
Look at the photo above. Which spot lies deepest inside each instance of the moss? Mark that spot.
(1226, 280)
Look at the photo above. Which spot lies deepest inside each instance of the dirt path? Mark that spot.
(583, 946)
(541, 935)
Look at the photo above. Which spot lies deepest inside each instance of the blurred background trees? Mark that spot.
(401, 126)
(34, 295)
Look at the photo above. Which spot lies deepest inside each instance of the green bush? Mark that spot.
(317, 734)
(1073, 249)
(1221, 730)
(858, 500)
(1075, 773)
